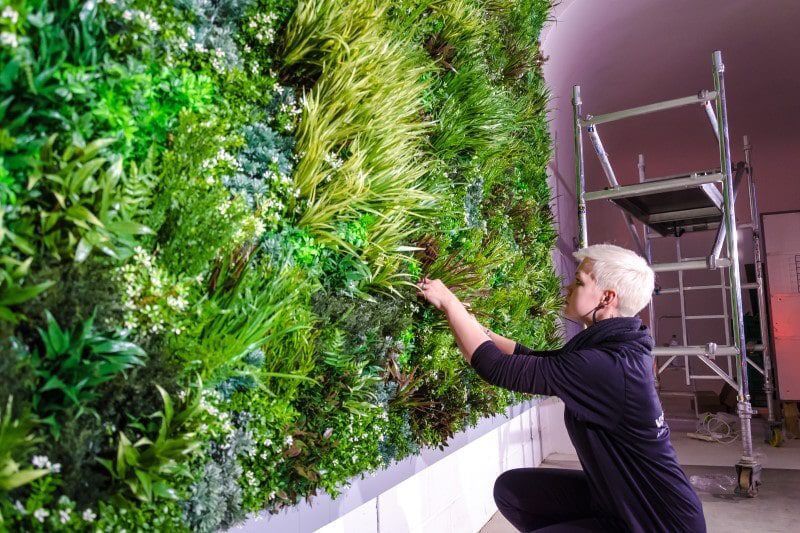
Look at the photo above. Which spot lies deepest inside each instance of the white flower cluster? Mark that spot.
(291, 107)
(42, 461)
(9, 39)
(209, 401)
(222, 157)
(141, 17)
(218, 60)
(251, 229)
(153, 299)
(10, 14)
(334, 160)
(261, 24)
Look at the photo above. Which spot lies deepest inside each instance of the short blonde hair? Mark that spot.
(623, 271)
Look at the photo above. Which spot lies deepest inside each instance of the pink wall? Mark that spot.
(626, 53)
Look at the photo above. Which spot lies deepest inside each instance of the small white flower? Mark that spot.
(41, 514)
(190, 32)
(268, 443)
(127, 14)
(11, 14)
(40, 461)
(89, 515)
(63, 516)
(19, 507)
(9, 39)
(56, 468)
(289, 440)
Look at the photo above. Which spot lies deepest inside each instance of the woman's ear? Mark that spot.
(609, 297)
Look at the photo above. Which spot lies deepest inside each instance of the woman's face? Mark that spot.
(583, 294)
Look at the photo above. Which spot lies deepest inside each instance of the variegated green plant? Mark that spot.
(147, 467)
(77, 199)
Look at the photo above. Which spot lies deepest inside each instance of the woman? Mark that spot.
(631, 480)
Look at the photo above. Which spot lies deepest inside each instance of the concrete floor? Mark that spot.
(710, 468)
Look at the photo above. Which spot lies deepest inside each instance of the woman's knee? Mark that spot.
(507, 488)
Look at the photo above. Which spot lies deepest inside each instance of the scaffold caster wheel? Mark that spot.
(775, 436)
(749, 480)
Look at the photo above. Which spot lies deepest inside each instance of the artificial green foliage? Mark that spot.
(71, 366)
(77, 199)
(16, 441)
(246, 191)
(146, 465)
(360, 141)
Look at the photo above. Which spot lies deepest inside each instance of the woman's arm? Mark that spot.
(511, 347)
(468, 332)
(507, 346)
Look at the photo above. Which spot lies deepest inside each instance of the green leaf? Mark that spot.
(15, 295)
(146, 484)
(9, 73)
(128, 227)
(22, 477)
(78, 213)
(52, 384)
(83, 250)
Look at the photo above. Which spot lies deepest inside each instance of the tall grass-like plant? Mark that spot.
(360, 134)
(256, 308)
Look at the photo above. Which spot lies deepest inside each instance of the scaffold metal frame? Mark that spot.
(657, 204)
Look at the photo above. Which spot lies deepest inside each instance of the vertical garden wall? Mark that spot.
(213, 216)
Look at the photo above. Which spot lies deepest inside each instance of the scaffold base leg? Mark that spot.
(774, 436)
(748, 475)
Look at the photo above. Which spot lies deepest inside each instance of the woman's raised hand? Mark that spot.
(436, 293)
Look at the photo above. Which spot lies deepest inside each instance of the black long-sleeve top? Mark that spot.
(614, 418)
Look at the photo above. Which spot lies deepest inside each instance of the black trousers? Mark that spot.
(547, 500)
